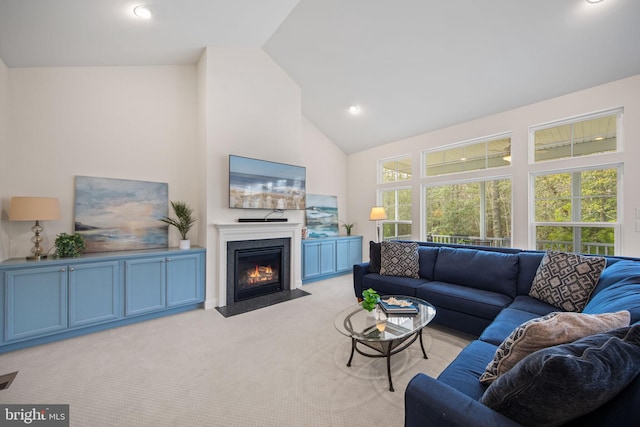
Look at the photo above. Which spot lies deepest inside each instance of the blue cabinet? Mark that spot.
(329, 257)
(53, 299)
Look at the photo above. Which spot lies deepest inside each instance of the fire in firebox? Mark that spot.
(259, 274)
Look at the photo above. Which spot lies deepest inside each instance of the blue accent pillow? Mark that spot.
(553, 386)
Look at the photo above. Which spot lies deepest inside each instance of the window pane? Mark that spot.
(395, 170)
(598, 196)
(553, 198)
(453, 210)
(590, 240)
(587, 196)
(498, 213)
(482, 155)
(404, 205)
(554, 238)
(584, 137)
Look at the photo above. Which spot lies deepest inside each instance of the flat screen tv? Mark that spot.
(261, 184)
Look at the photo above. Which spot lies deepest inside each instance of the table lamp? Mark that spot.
(377, 213)
(34, 209)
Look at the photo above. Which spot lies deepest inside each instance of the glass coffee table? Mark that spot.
(386, 334)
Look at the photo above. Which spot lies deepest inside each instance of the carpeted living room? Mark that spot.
(195, 197)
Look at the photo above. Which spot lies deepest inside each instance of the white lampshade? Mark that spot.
(377, 213)
(34, 209)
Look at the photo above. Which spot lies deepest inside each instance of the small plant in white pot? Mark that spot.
(183, 222)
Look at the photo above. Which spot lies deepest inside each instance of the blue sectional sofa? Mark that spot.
(485, 292)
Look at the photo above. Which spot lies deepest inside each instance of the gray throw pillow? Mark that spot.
(557, 384)
(566, 280)
(399, 259)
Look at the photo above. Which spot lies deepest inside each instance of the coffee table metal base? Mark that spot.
(386, 349)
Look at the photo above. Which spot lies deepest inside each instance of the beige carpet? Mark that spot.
(283, 365)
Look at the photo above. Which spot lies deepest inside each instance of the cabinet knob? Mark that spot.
(71, 269)
(63, 270)
(168, 259)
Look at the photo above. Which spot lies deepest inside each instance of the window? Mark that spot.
(473, 213)
(577, 211)
(397, 204)
(586, 135)
(395, 170)
(480, 154)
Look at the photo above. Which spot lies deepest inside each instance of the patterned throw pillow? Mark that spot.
(399, 259)
(566, 280)
(557, 384)
(552, 329)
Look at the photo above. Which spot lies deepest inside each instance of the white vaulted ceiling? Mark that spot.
(411, 65)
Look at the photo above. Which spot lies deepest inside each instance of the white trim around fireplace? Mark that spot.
(230, 232)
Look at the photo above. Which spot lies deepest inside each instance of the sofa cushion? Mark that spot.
(552, 329)
(462, 374)
(528, 263)
(532, 305)
(566, 280)
(392, 285)
(491, 271)
(374, 257)
(504, 324)
(555, 385)
(619, 296)
(427, 258)
(399, 259)
(623, 271)
(479, 302)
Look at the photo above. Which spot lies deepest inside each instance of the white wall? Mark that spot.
(253, 109)
(4, 159)
(623, 93)
(116, 122)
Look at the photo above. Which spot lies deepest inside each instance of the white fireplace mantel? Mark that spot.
(231, 232)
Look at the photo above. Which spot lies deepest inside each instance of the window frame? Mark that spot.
(380, 169)
(616, 226)
(460, 144)
(482, 180)
(395, 222)
(618, 111)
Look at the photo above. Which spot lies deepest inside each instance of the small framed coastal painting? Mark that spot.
(322, 216)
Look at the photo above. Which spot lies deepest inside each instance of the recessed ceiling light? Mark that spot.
(594, 1)
(354, 109)
(142, 12)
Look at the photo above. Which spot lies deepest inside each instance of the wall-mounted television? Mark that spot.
(261, 184)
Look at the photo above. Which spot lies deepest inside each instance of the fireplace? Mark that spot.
(257, 267)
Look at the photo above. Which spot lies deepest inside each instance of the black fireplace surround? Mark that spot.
(257, 267)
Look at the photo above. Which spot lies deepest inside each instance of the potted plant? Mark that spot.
(69, 245)
(183, 222)
(348, 227)
(370, 299)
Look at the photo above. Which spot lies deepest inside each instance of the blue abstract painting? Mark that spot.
(322, 216)
(121, 214)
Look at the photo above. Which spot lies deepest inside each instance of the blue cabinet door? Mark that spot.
(355, 251)
(183, 280)
(328, 257)
(36, 302)
(145, 285)
(343, 259)
(94, 293)
(310, 259)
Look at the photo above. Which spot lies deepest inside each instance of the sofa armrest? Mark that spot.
(429, 402)
(359, 270)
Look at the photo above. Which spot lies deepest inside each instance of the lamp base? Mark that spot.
(36, 257)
